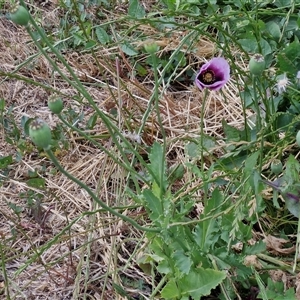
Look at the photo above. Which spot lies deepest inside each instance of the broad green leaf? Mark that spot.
(171, 4)
(128, 49)
(157, 245)
(276, 291)
(136, 10)
(282, 3)
(232, 134)
(208, 144)
(90, 44)
(205, 234)
(289, 294)
(274, 30)
(291, 175)
(291, 197)
(213, 204)
(182, 262)
(176, 172)
(289, 58)
(200, 282)
(163, 267)
(249, 45)
(192, 150)
(102, 36)
(265, 47)
(251, 162)
(170, 291)
(232, 160)
(158, 165)
(153, 205)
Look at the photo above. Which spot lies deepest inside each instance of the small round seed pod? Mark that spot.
(55, 104)
(19, 15)
(257, 64)
(40, 133)
(276, 166)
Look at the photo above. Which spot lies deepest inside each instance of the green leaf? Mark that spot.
(142, 71)
(163, 267)
(205, 234)
(200, 282)
(128, 49)
(192, 150)
(176, 172)
(16, 209)
(90, 44)
(258, 247)
(291, 175)
(158, 165)
(274, 30)
(102, 36)
(249, 45)
(136, 10)
(232, 160)
(38, 183)
(182, 262)
(170, 291)
(208, 144)
(92, 121)
(232, 134)
(289, 294)
(5, 161)
(213, 205)
(153, 205)
(289, 59)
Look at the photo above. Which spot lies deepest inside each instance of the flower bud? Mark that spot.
(55, 104)
(257, 64)
(40, 133)
(151, 47)
(276, 166)
(19, 15)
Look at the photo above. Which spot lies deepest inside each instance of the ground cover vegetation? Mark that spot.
(149, 149)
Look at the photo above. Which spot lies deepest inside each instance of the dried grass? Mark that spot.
(96, 250)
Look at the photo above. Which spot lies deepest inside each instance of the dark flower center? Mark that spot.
(207, 77)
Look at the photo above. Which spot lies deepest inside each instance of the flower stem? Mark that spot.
(156, 106)
(202, 141)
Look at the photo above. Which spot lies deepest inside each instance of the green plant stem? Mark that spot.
(95, 198)
(4, 272)
(158, 287)
(159, 120)
(256, 105)
(276, 262)
(258, 119)
(297, 246)
(202, 114)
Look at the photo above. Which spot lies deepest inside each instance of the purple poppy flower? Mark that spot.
(214, 74)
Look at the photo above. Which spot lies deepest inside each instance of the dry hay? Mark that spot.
(65, 251)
